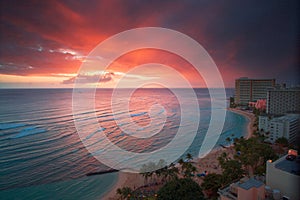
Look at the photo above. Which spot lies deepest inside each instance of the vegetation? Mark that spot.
(212, 182)
(180, 189)
(125, 193)
(250, 159)
(153, 171)
(256, 112)
(232, 104)
(231, 169)
(159, 172)
(167, 173)
(282, 142)
(187, 168)
(253, 155)
(185, 187)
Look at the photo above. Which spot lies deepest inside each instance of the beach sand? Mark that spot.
(125, 179)
(208, 163)
(250, 117)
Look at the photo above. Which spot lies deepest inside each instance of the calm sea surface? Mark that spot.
(42, 156)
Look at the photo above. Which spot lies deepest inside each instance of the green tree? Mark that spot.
(152, 170)
(180, 189)
(125, 193)
(211, 183)
(187, 167)
(231, 169)
(228, 139)
(170, 172)
(282, 141)
(253, 154)
(189, 157)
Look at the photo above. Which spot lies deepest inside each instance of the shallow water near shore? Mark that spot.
(42, 156)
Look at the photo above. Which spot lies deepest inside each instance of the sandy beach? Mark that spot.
(132, 180)
(208, 163)
(250, 117)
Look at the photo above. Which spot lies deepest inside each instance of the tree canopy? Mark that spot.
(212, 182)
(253, 154)
(180, 189)
(232, 169)
(282, 141)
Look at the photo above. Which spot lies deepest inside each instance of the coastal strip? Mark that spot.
(251, 120)
(208, 163)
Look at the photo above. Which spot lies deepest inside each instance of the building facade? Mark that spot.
(287, 126)
(283, 100)
(282, 179)
(249, 90)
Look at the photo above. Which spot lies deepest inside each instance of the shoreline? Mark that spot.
(208, 163)
(125, 179)
(251, 120)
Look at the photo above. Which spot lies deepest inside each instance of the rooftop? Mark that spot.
(230, 191)
(288, 117)
(256, 79)
(292, 167)
(250, 184)
(293, 89)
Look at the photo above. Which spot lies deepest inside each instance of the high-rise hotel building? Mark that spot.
(283, 114)
(283, 100)
(249, 90)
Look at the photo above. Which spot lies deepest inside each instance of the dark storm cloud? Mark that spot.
(245, 38)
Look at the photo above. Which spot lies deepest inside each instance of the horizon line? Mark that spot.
(118, 88)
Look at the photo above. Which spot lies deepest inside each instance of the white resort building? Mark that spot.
(287, 126)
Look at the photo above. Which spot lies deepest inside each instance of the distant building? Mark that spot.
(260, 104)
(283, 100)
(283, 179)
(245, 189)
(249, 90)
(287, 126)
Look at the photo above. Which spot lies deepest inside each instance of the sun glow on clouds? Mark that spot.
(47, 38)
(12, 81)
(119, 69)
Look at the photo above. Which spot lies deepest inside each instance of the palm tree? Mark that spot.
(228, 139)
(180, 161)
(146, 175)
(189, 170)
(125, 192)
(189, 157)
(171, 172)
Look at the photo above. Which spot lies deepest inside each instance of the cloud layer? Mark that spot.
(245, 38)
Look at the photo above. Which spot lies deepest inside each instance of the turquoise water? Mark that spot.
(42, 156)
(82, 188)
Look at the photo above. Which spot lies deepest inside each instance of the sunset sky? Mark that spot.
(44, 43)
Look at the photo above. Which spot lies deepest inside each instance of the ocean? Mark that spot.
(43, 157)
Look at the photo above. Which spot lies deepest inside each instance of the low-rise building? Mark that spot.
(244, 189)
